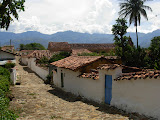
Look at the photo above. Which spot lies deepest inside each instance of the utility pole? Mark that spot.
(10, 42)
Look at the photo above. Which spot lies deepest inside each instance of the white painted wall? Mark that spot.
(87, 87)
(13, 76)
(7, 61)
(41, 72)
(24, 60)
(141, 95)
(6, 56)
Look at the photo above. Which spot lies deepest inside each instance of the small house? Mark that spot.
(101, 80)
(31, 61)
(9, 48)
(7, 57)
(79, 75)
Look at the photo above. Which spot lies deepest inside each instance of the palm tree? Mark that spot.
(133, 9)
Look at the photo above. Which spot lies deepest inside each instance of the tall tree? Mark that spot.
(133, 9)
(119, 30)
(8, 10)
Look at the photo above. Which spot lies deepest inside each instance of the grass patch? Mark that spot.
(56, 117)
(32, 94)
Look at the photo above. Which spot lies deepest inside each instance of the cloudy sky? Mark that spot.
(92, 16)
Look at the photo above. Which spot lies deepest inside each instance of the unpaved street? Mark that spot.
(34, 100)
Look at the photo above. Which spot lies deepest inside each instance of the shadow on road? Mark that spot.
(28, 70)
(67, 96)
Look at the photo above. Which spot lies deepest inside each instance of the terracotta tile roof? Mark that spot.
(8, 52)
(38, 54)
(80, 51)
(108, 66)
(92, 75)
(75, 62)
(112, 57)
(140, 75)
(8, 48)
(24, 53)
(59, 46)
(93, 47)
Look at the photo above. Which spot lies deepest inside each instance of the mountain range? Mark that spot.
(71, 37)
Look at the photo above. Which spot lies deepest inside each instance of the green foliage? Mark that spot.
(59, 56)
(43, 60)
(154, 53)
(4, 72)
(4, 83)
(10, 65)
(9, 10)
(130, 55)
(119, 30)
(49, 77)
(32, 46)
(103, 53)
(5, 113)
(135, 57)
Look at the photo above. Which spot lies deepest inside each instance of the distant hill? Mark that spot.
(69, 36)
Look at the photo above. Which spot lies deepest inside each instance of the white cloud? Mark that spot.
(92, 16)
(50, 16)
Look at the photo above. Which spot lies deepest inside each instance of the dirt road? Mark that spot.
(34, 100)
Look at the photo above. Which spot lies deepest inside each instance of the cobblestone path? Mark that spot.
(34, 100)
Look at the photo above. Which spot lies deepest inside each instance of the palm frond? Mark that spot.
(147, 7)
(143, 12)
(139, 18)
(131, 19)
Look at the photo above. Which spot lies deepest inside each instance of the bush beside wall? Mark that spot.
(5, 113)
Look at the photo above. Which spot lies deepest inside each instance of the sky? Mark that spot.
(91, 16)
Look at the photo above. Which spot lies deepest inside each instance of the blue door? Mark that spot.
(108, 89)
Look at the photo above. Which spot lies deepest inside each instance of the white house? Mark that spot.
(92, 78)
(23, 54)
(70, 75)
(6, 57)
(31, 61)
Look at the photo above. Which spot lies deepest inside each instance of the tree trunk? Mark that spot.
(137, 36)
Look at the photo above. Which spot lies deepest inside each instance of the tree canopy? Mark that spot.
(119, 30)
(154, 53)
(133, 9)
(32, 46)
(9, 10)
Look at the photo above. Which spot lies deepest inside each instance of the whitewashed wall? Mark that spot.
(24, 60)
(141, 95)
(87, 87)
(41, 72)
(13, 75)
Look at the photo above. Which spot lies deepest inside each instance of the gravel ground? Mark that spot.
(34, 100)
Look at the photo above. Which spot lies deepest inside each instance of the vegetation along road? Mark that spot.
(34, 100)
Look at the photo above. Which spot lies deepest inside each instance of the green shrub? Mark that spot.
(4, 72)
(10, 65)
(4, 83)
(43, 60)
(5, 113)
(103, 53)
(59, 56)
